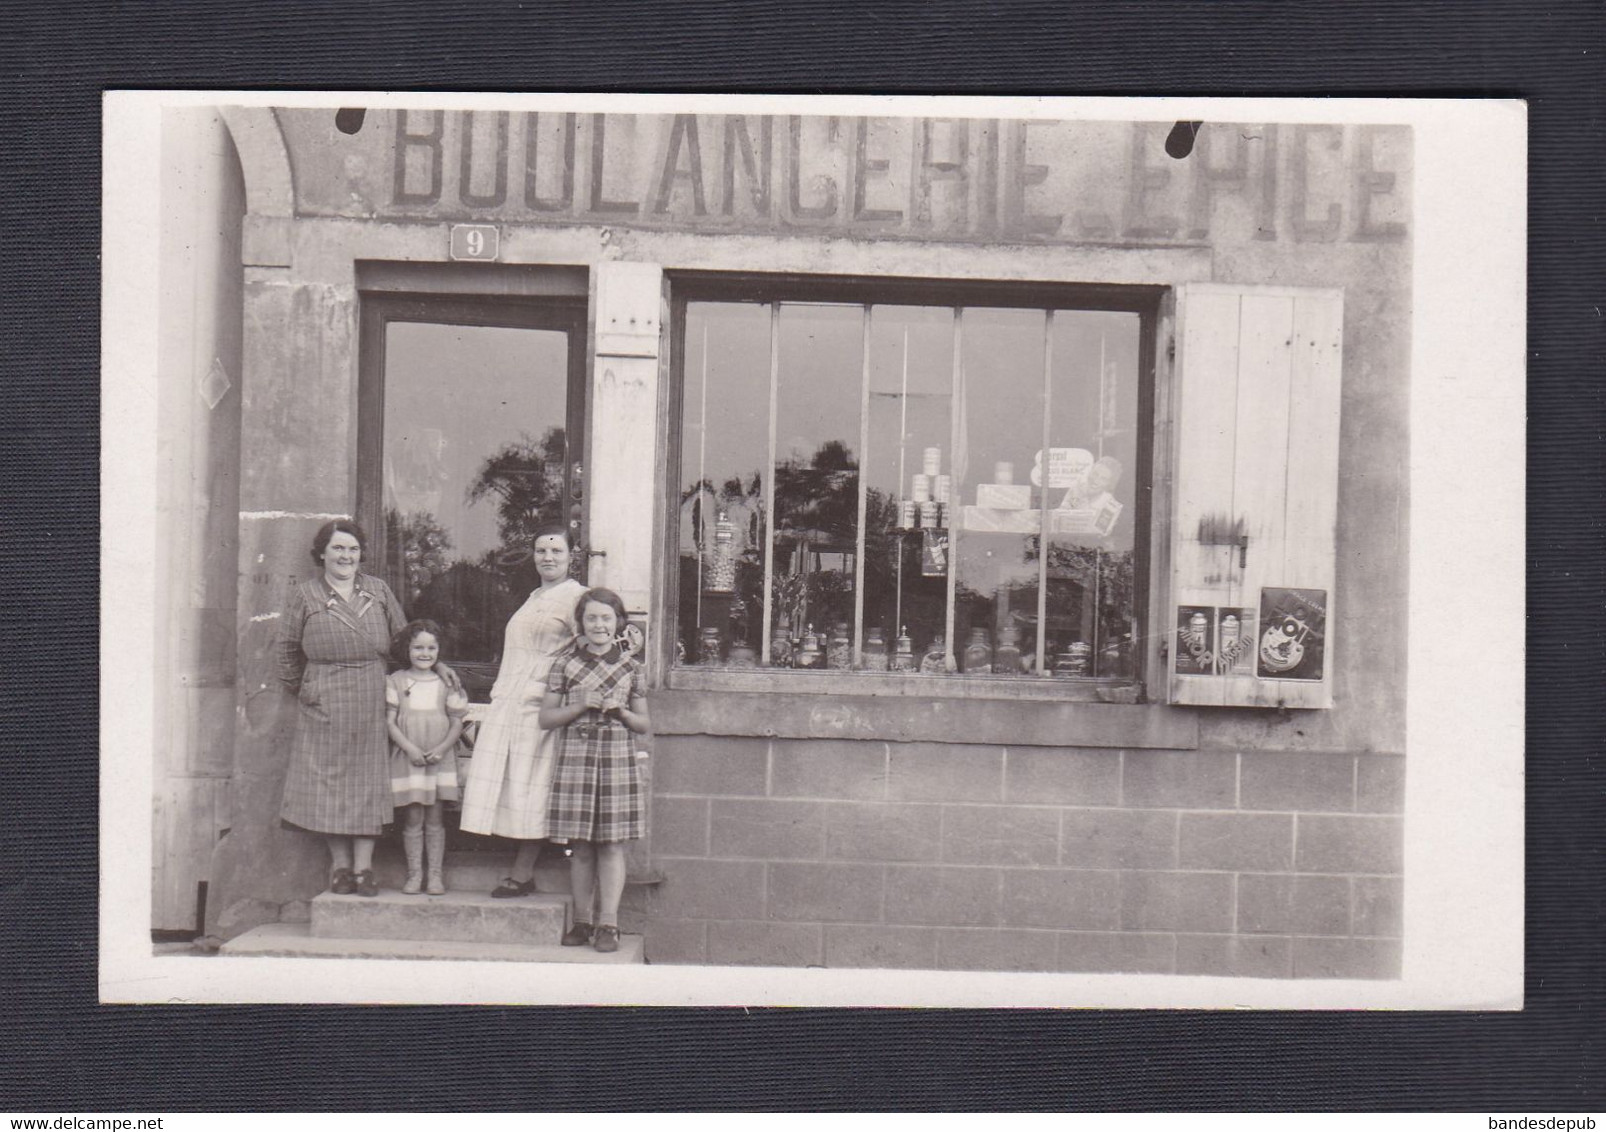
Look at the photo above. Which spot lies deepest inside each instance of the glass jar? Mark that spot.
(935, 660)
(875, 651)
(978, 652)
(1006, 657)
(809, 656)
(722, 558)
(742, 655)
(903, 660)
(839, 653)
(708, 646)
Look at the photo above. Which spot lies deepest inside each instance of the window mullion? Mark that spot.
(1043, 518)
(864, 462)
(957, 462)
(769, 484)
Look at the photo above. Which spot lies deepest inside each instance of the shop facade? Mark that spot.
(1012, 512)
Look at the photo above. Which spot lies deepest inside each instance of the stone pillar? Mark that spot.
(297, 471)
(627, 300)
(624, 428)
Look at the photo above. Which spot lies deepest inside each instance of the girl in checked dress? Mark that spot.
(424, 713)
(597, 696)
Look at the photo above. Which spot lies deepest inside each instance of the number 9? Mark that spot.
(476, 242)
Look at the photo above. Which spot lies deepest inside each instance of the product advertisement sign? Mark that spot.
(1293, 634)
(1235, 634)
(1196, 640)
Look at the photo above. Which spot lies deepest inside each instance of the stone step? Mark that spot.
(463, 917)
(296, 940)
(473, 872)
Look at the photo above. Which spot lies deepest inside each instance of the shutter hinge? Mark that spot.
(1171, 348)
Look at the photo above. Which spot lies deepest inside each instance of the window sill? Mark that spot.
(805, 706)
(917, 685)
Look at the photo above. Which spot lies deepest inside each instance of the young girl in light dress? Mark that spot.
(424, 712)
(596, 694)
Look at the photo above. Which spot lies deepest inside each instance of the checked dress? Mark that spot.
(332, 656)
(596, 792)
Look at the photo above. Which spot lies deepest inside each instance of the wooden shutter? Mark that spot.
(1258, 371)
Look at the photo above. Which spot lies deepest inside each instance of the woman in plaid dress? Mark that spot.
(334, 638)
(596, 696)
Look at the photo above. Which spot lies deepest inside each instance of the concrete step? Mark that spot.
(463, 917)
(470, 871)
(296, 940)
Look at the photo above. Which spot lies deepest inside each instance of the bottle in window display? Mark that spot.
(839, 653)
(903, 660)
(935, 660)
(978, 652)
(875, 651)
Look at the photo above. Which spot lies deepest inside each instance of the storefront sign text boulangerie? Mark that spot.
(913, 178)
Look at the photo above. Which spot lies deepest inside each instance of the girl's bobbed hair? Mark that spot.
(606, 597)
(403, 640)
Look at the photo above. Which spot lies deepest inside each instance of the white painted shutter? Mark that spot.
(1258, 372)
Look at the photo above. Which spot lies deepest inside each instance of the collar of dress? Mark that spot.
(361, 598)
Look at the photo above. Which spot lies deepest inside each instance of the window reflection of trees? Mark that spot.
(524, 479)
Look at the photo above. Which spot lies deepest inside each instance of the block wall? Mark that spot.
(781, 852)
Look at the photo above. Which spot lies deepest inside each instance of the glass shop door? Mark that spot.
(471, 439)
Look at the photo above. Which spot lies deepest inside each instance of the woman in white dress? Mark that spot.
(510, 776)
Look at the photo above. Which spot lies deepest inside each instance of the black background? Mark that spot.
(61, 1052)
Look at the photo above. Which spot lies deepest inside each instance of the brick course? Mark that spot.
(767, 829)
(923, 894)
(1000, 835)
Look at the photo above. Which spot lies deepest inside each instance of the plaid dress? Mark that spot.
(509, 776)
(424, 710)
(596, 792)
(332, 656)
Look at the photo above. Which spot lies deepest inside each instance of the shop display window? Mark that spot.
(928, 486)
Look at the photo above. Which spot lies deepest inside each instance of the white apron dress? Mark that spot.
(510, 776)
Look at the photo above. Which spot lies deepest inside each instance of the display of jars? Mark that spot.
(978, 652)
(875, 651)
(839, 653)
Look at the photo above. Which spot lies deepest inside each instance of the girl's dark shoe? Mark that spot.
(366, 884)
(344, 883)
(510, 887)
(577, 936)
(606, 938)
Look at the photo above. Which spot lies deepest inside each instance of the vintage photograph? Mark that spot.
(780, 535)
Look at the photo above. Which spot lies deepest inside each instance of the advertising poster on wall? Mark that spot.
(1235, 632)
(1195, 640)
(1293, 634)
